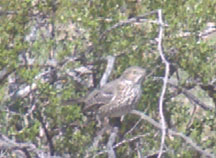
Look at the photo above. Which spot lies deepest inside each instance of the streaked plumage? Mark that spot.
(119, 96)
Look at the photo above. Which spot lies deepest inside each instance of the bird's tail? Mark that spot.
(72, 101)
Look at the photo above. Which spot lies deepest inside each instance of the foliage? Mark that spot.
(44, 44)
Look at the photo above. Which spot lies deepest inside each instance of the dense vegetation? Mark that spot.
(54, 50)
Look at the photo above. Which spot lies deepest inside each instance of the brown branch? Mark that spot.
(4, 73)
(49, 138)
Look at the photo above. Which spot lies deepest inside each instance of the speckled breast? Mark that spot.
(125, 101)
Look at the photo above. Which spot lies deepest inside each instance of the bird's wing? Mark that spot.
(100, 97)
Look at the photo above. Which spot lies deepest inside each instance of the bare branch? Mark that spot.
(155, 154)
(109, 68)
(160, 49)
(174, 133)
(189, 95)
(7, 144)
(26, 148)
(49, 138)
(128, 22)
(123, 142)
(95, 143)
(7, 12)
(4, 73)
(136, 124)
(110, 151)
(193, 98)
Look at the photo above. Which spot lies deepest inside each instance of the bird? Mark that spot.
(118, 97)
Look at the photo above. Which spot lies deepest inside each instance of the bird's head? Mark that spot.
(134, 74)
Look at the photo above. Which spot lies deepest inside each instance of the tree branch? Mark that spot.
(7, 144)
(193, 98)
(174, 133)
(109, 68)
(111, 141)
(128, 22)
(49, 138)
(167, 65)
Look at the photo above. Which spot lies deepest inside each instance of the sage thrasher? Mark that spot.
(119, 96)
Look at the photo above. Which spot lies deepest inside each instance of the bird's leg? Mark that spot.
(102, 121)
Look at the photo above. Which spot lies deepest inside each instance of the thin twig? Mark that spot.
(192, 115)
(127, 22)
(160, 36)
(131, 130)
(123, 142)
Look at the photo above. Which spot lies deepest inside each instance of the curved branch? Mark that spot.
(165, 80)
